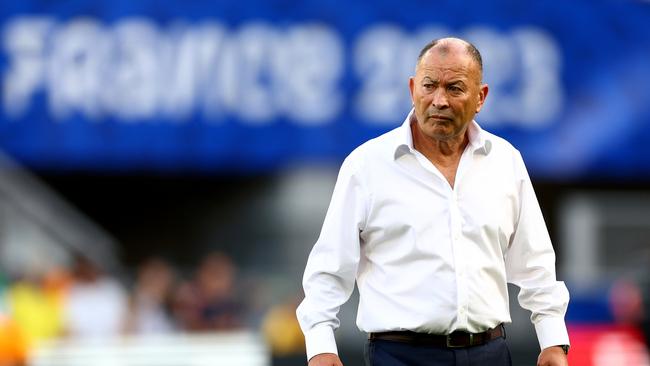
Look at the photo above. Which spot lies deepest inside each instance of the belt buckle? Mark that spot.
(450, 344)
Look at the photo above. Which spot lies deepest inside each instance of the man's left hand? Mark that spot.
(552, 356)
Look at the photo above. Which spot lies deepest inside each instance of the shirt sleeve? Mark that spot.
(530, 265)
(332, 265)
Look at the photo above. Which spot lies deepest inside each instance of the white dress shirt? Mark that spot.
(428, 257)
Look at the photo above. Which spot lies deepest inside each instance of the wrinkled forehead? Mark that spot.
(448, 60)
(446, 67)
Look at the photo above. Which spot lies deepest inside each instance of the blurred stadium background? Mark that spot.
(165, 165)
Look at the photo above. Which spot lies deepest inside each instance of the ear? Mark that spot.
(482, 94)
(412, 88)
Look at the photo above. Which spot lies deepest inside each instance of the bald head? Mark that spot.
(451, 44)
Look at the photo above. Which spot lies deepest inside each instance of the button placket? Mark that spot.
(459, 258)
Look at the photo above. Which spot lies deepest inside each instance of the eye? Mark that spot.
(455, 89)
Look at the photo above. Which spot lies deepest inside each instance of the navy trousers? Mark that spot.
(390, 353)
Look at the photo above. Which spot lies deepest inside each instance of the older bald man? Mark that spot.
(432, 220)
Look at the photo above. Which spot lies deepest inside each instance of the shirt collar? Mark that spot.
(478, 139)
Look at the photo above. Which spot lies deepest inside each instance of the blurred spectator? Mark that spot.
(645, 321)
(630, 307)
(209, 301)
(96, 305)
(283, 335)
(36, 308)
(626, 301)
(149, 305)
(13, 348)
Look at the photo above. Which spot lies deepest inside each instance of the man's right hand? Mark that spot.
(325, 359)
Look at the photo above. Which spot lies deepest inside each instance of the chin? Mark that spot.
(441, 135)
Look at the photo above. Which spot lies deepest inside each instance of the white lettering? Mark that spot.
(309, 65)
(523, 71)
(383, 62)
(210, 52)
(542, 95)
(178, 86)
(133, 90)
(75, 68)
(255, 43)
(24, 40)
(260, 73)
(500, 71)
(385, 58)
(134, 71)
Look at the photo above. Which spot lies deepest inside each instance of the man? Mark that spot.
(433, 219)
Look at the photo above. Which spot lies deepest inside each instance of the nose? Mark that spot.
(439, 100)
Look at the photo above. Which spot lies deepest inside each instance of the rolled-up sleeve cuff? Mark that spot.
(551, 332)
(320, 340)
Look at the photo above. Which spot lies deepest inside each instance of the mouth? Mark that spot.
(439, 117)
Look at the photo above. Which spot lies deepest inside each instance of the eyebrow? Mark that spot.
(452, 82)
(456, 82)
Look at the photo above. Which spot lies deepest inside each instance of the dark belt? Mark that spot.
(456, 339)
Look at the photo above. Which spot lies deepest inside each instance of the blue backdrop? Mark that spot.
(209, 86)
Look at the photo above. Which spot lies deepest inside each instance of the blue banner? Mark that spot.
(257, 85)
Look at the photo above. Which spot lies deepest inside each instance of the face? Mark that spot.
(446, 92)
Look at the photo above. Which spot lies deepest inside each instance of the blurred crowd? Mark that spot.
(84, 301)
(629, 303)
(81, 300)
